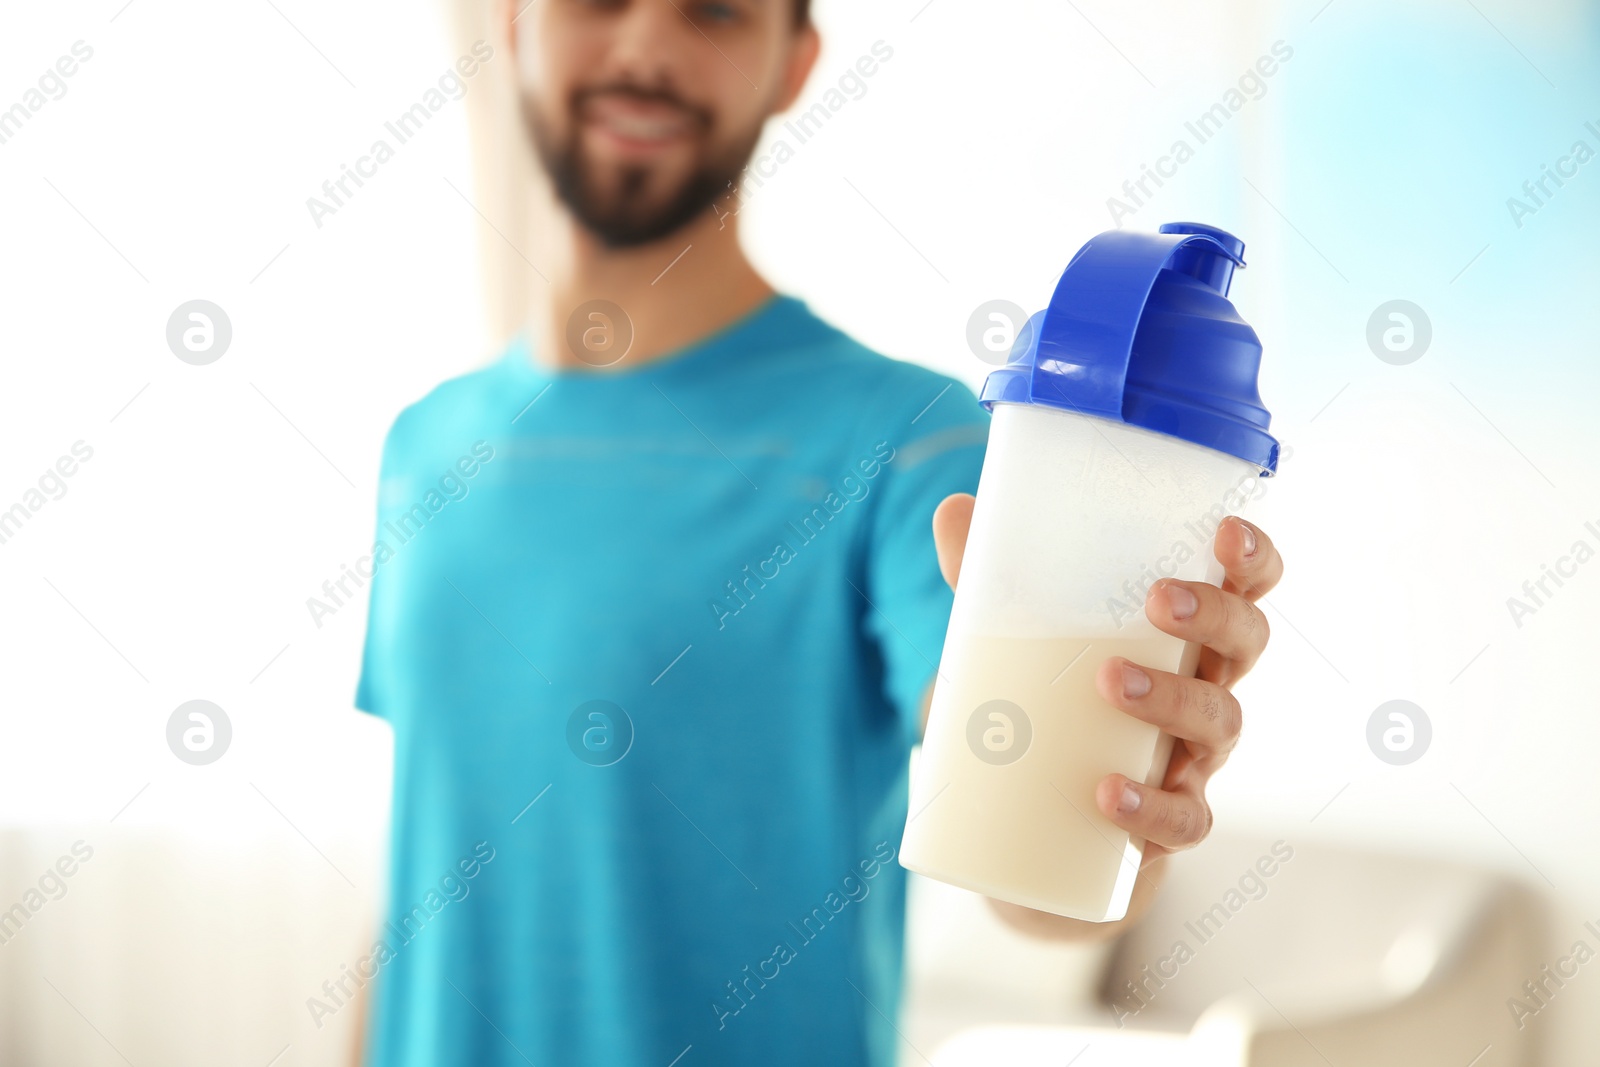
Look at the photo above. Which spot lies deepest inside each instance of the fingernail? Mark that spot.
(1135, 683)
(1249, 538)
(1181, 602)
(1130, 801)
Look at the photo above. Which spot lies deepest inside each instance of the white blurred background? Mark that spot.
(1375, 165)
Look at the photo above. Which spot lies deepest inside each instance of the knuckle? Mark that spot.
(1240, 616)
(1180, 823)
(1182, 700)
(1242, 624)
(1191, 822)
(1210, 712)
(1233, 716)
(1159, 810)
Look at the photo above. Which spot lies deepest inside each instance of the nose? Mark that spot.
(652, 42)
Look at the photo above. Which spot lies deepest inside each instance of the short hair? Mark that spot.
(802, 12)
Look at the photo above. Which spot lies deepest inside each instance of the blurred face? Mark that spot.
(643, 111)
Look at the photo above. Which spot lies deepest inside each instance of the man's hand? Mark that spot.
(1200, 713)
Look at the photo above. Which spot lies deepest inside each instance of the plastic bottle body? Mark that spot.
(1076, 518)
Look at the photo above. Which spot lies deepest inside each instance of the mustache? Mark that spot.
(702, 117)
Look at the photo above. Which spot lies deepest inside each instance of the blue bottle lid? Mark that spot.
(1140, 331)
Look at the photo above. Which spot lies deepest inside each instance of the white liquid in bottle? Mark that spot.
(1016, 802)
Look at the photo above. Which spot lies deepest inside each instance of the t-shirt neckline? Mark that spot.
(727, 339)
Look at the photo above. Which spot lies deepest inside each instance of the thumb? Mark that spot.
(951, 521)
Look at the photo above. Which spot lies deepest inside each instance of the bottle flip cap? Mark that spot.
(1140, 331)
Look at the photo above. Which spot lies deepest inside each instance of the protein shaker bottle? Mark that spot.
(1126, 425)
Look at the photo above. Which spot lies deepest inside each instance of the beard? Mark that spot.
(629, 210)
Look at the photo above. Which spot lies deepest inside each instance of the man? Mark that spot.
(661, 631)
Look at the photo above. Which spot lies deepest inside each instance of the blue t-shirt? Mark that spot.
(653, 642)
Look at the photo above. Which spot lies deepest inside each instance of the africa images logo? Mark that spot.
(404, 524)
(852, 489)
(853, 889)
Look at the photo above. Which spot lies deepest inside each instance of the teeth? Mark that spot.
(643, 129)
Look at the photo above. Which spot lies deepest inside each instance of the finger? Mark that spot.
(951, 521)
(1226, 623)
(1249, 559)
(1172, 820)
(1190, 708)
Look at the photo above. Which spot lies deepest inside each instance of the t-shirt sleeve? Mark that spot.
(372, 684)
(938, 450)
(367, 685)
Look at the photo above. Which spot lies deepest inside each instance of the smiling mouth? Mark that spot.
(638, 122)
